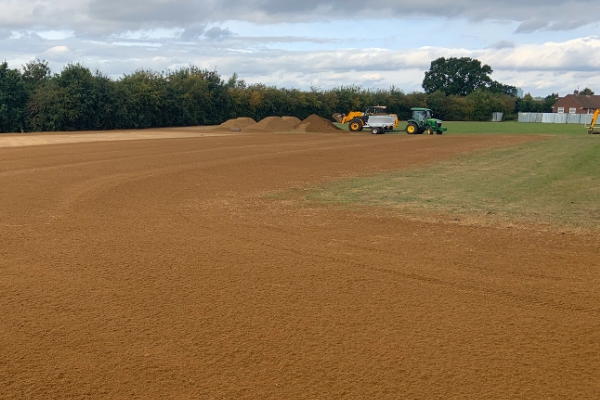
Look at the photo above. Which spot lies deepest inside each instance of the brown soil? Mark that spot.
(161, 269)
(36, 139)
(314, 123)
(294, 121)
(275, 124)
(238, 123)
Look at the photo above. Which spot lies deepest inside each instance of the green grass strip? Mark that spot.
(555, 182)
(509, 127)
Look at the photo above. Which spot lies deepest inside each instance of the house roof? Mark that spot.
(585, 101)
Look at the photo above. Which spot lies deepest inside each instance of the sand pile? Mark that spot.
(237, 123)
(292, 120)
(314, 123)
(275, 124)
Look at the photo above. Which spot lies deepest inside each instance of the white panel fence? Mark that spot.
(552, 118)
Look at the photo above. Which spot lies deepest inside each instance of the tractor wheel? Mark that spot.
(429, 131)
(412, 128)
(355, 125)
(375, 131)
(438, 132)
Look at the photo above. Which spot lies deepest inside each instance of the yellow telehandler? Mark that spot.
(375, 118)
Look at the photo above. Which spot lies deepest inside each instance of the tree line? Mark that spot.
(34, 98)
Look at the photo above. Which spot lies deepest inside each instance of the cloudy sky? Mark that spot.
(541, 46)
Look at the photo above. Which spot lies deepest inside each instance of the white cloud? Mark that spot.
(57, 53)
(108, 16)
(217, 33)
(580, 54)
(553, 51)
(540, 69)
(55, 35)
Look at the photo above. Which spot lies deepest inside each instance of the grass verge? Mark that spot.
(553, 182)
(509, 127)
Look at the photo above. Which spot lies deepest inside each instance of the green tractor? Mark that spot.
(422, 121)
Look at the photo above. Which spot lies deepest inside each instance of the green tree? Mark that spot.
(46, 109)
(497, 87)
(79, 97)
(485, 103)
(548, 102)
(13, 99)
(457, 76)
(35, 73)
(529, 104)
(108, 103)
(200, 97)
(146, 95)
(587, 91)
(75, 99)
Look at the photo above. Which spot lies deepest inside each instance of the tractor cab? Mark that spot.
(422, 121)
(421, 114)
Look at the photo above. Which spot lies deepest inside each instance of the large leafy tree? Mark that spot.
(147, 95)
(35, 73)
(197, 96)
(65, 102)
(457, 76)
(76, 99)
(13, 98)
(80, 98)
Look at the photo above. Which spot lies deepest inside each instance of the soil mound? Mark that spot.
(275, 124)
(314, 123)
(238, 123)
(292, 120)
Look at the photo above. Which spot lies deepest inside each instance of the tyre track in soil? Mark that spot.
(77, 192)
(144, 272)
(463, 282)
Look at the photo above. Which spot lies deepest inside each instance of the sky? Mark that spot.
(542, 47)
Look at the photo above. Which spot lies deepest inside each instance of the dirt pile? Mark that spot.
(237, 123)
(314, 123)
(292, 120)
(275, 124)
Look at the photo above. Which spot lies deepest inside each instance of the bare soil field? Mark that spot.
(163, 269)
(37, 139)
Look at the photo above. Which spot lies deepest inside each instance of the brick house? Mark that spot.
(577, 104)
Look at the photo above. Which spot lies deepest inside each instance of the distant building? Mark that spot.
(576, 104)
(520, 93)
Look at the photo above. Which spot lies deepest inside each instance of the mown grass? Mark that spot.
(508, 127)
(554, 182)
(513, 127)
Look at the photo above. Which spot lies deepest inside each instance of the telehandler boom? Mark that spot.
(591, 130)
